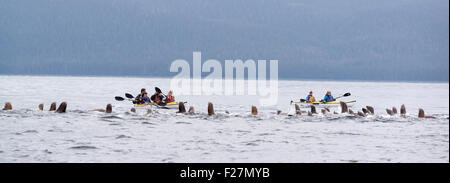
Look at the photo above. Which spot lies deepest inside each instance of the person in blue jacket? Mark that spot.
(144, 99)
(328, 97)
(138, 99)
(310, 98)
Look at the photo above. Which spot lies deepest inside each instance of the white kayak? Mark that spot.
(336, 103)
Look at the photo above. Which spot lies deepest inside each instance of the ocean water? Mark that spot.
(232, 135)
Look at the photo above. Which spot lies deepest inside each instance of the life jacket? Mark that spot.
(156, 99)
(328, 98)
(170, 99)
(145, 100)
(138, 99)
(311, 98)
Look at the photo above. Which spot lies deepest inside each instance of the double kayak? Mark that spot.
(170, 105)
(336, 103)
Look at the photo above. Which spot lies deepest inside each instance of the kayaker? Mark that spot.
(310, 97)
(170, 97)
(157, 98)
(138, 98)
(328, 97)
(144, 99)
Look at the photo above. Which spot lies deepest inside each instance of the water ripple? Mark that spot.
(122, 137)
(83, 147)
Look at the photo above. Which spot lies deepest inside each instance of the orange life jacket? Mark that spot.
(170, 99)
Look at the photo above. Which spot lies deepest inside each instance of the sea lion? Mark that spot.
(62, 108)
(181, 108)
(313, 109)
(191, 110)
(7, 107)
(41, 107)
(371, 110)
(344, 108)
(52, 107)
(365, 111)
(350, 111)
(98, 110)
(108, 108)
(210, 109)
(390, 112)
(394, 110)
(297, 110)
(403, 110)
(422, 114)
(361, 114)
(254, 110)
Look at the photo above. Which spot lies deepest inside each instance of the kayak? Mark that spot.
(336, 103)
(170, 105)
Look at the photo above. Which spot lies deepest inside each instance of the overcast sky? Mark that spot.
(345, 39)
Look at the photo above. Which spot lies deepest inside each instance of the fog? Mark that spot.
(405, 40)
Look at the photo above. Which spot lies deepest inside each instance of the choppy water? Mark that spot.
(29, 135)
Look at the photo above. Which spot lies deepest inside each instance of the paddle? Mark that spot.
(159, 91)
(345, 95)
(119, 98)
(129, 96)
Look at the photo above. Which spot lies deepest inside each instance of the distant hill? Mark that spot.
(351, 39)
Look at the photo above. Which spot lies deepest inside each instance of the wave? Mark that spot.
(83, 147)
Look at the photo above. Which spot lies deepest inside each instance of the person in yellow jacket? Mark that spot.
(310, 97)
